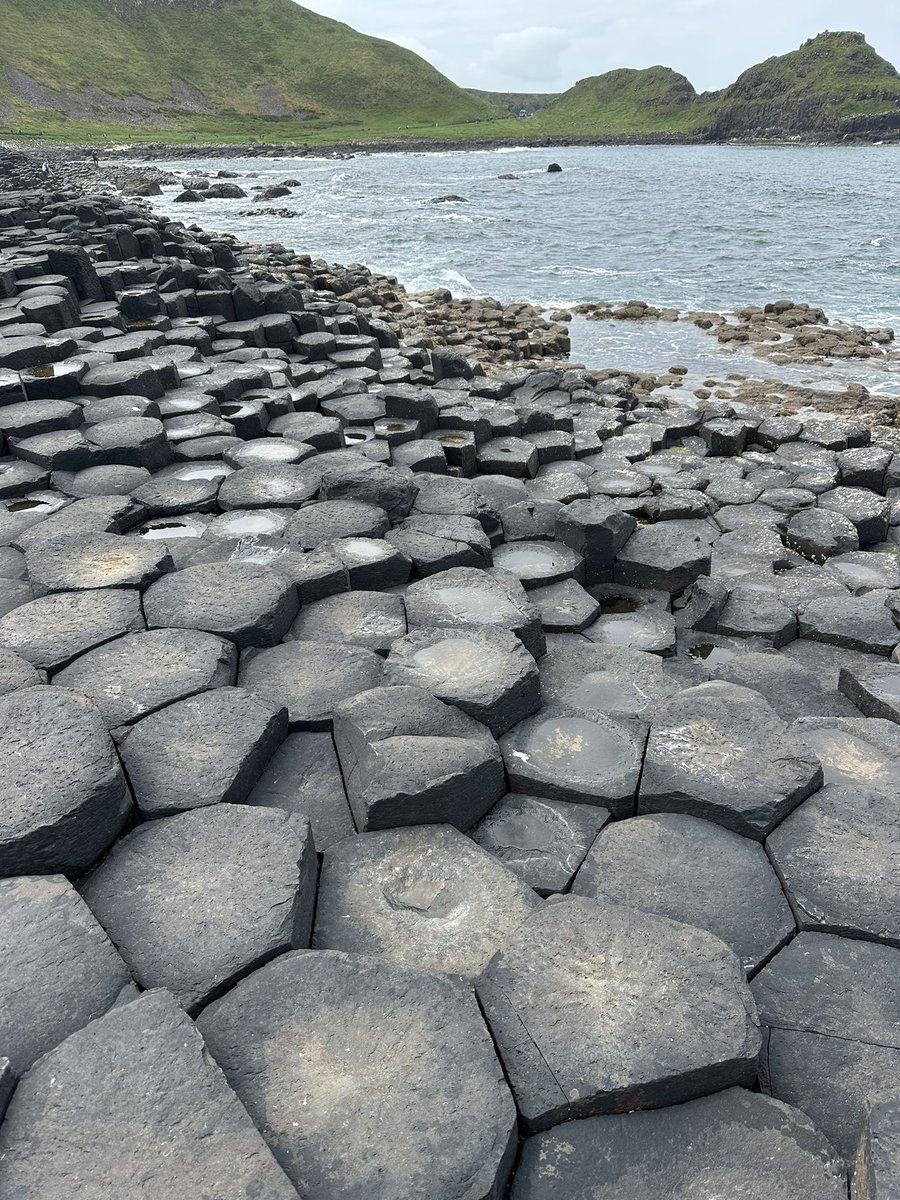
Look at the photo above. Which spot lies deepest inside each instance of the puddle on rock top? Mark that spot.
(713, 656)
(456, 658)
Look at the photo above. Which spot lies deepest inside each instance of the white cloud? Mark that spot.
(526, 58)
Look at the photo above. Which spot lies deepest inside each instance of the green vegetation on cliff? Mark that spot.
(269, 70)
(655, 100)
(191, 65)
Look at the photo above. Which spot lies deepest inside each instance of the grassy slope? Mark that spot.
(654, 100)
(841, 71)
(226, 51)
(513, 101)
(354, 87)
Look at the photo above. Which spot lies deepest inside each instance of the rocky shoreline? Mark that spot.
(425, 779)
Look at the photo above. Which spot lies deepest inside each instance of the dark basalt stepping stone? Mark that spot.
(791, 690)
(102, 481)
(310, 678)
(374, 620)
(17, 673)
(869, 514)
(598, 680)
(465, 596)
(485, 671)
(542, 841)
(81, 562)
(718, 751)
(332, 519)
(835, 855)
(694, 872)
(167, 495)
(60, 969)
(877, 1166)
(538, 563)
(372, 563)
(204, 750)
(530, 519)
(561, 755)
(734, 1144)
(649, 629)
(260, 452)
(388, 488)
(13, 594)
(251, 605)
(662, 557)
(432, 1116)
(408, 759)
(855, 622)
(137, 674)
(430, 553)
(63, 450)
(755, 612)
(597, 1008)
(597, 529)
(564, 607)
(53, 630)
(831, 1005)
(819, 534)
(304, 778)
(132, 442)
(63, 797)
(425, 898)
(874, 690)
(171, 1123)
(866, 570)
(276, 485)
(196, 901)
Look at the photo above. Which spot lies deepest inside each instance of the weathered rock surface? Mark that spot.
(195, 901)
(425, 898)
(598, 1008)
(432, 1118)
(133, 1102)
(734, 1144)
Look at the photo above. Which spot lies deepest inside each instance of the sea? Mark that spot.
(710, 227)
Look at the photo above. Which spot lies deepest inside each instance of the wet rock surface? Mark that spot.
(276, 582)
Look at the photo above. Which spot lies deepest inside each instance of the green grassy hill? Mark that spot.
(834, 82)
(832, 78)
(191, 65)
(655, 100)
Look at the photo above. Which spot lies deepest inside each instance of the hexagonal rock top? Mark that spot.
(310, 678)
(565, 756)
(408, 759)
(133, 1103)
(468, 596)
(195, 901)
(137, 674)
(692, 871)
(601, 1009)
(424, 897)
(718, 751)
(59, 968)
(836, 856)
(542, 841)
(734, 1144)
(832, 1008)
(200, 751)
(484, 671)
(63, 796)
(249, 604)
(367, 1081)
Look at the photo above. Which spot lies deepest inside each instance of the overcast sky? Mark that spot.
(530, 45)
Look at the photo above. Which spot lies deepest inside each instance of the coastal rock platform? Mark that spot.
(421, 783)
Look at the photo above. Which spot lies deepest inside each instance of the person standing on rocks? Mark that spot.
(95, 160)
(45, 168)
